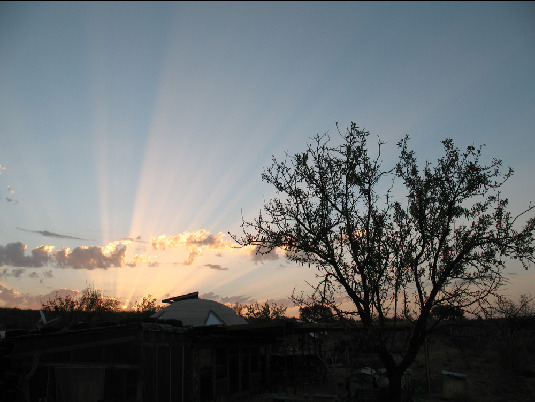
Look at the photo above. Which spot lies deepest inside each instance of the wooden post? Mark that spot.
(427, 375)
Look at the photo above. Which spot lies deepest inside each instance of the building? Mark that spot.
(192, 350)
(195, 312)
(215, 357)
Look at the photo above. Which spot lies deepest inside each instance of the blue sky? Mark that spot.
(138, 120)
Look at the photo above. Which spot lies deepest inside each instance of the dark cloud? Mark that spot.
(228, 300)
(17, 273)
(113, 255)
(216, 267)
(89, 257)
(260, 253)
(14, 273)
(46, 233)
(134, 239)
(43, 276)
(13, 254)
(281, 302)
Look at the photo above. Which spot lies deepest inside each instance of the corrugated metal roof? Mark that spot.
(197, 312)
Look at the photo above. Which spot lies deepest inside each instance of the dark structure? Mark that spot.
(192, 350)
(148, 361)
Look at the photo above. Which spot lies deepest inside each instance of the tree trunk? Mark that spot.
(393, 372)
(394, 385)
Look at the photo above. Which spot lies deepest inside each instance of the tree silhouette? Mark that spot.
(93, 307)
(316, 313)
(395, 241)
(147, 305)
(256, 312)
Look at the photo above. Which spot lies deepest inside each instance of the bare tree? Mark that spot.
(396, 242)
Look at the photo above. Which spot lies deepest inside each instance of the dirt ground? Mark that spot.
(497, 362)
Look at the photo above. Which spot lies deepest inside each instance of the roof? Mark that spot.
(195, 312)
(192, 295)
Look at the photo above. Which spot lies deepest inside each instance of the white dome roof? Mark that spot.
(197, 312)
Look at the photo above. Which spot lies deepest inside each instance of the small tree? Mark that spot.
(260, 312)
(147, 305)
(514, 311)
(447, 312)
(514, 320)
(315, 313)
(396, 242)
(90, 306)
(93, 301)
(239, 309)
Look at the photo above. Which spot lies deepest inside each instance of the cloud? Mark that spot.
(90, 257)
(228, 300)
(134, 239)
(45, 275)
(141, 259)
(194, 243)
(216, 267)
(13, 254)
(111, 255)
(15, 273)
(46, 233)
(115, 254)
(259, 253)
(34, 275)
(11, 298)
(200, 238)
(191, 257)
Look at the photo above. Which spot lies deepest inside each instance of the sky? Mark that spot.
(133, 136)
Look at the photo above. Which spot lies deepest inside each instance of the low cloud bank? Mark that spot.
(11, 298)
(14, 254)
(195, 244)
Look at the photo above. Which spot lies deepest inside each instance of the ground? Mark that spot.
(497, 357)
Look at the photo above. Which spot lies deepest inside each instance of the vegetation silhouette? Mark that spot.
(256, 312)
(396, 242)
(92, 308)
